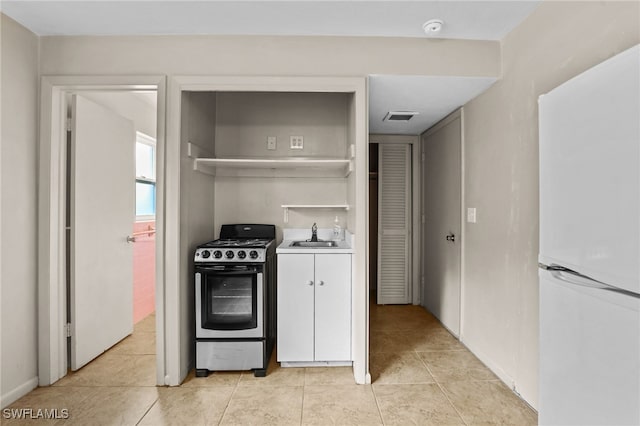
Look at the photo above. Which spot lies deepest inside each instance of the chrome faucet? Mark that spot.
(314, 233)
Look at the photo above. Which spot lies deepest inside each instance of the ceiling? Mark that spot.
(479, 20)
(432, 97)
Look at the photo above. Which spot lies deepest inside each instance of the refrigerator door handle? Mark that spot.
(572, 277)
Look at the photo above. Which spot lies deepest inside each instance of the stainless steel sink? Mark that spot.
(314, 244)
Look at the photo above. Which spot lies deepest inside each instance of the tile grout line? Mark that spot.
(375, 397)
(304, 386)
(148, 409)
(226, 407)
(442, 390)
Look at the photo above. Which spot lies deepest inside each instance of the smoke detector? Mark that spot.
(400, 115)
(432, 27)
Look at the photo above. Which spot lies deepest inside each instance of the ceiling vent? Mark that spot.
(400, 115)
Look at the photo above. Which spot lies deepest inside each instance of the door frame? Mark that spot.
(52, 305)
(459, 113)
(416, 231)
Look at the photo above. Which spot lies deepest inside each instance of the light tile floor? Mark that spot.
(421, 375)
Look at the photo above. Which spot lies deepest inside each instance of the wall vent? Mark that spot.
(400, 115)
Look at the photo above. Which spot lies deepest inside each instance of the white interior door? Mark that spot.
(441, 229)
(102, 212)
(394, 223)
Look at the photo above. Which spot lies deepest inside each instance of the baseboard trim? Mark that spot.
(286, 364)
(499, 372)
(18, 392)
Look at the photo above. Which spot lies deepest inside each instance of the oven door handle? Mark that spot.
(228, 272)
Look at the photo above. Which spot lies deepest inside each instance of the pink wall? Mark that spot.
(144, 271)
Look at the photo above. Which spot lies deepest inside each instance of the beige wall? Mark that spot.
(260, 55)
(265, 196)
(243, 122)
(500, 295)
(197, 192)
(245, 119)
(19, 206)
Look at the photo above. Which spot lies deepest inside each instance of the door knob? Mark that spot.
(310, 283)
(131, 239)
(451, 237)
(321, 283)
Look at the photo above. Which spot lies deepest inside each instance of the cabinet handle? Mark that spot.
(321, 283)
(310, 283)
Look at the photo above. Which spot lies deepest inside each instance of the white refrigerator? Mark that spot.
(590, 247)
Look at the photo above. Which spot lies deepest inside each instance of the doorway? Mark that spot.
(54, 305)
(394, 225)
(436, 180)
(110, 229)
(397, 330)
(373, 221)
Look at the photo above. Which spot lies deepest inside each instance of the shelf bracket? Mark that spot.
(195, 152)
(286, 214)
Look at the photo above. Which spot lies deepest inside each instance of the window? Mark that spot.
(145, 177)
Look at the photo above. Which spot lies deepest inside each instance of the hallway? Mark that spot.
(423, 375)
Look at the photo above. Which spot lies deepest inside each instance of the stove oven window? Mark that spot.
(231, 301)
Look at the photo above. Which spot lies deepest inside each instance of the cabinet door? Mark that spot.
(333, 307)
(295, 307)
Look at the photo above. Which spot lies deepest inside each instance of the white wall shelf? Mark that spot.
(286, 208)
(333, 166)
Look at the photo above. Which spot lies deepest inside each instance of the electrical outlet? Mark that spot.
(296, 142)
(271, 143)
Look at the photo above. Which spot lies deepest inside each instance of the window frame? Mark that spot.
(150, 141)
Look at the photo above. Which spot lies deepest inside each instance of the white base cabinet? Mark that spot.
(314, 307)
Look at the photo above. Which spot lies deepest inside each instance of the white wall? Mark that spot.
(500, 294)
(19, 49)
(135, 107)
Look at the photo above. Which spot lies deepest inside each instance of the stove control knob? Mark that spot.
(229, 254)
(253, 254)
(242, 254)
(206, 254)
(217, 254)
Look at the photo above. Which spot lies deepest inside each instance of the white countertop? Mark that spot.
(291, 234)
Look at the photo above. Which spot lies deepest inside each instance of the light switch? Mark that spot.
(471, 214)
(271, 143)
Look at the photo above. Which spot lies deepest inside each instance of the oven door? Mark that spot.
(229, 301)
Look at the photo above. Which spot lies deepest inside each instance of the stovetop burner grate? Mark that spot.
(252, 243)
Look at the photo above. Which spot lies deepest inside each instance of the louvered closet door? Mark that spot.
(394, 223)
